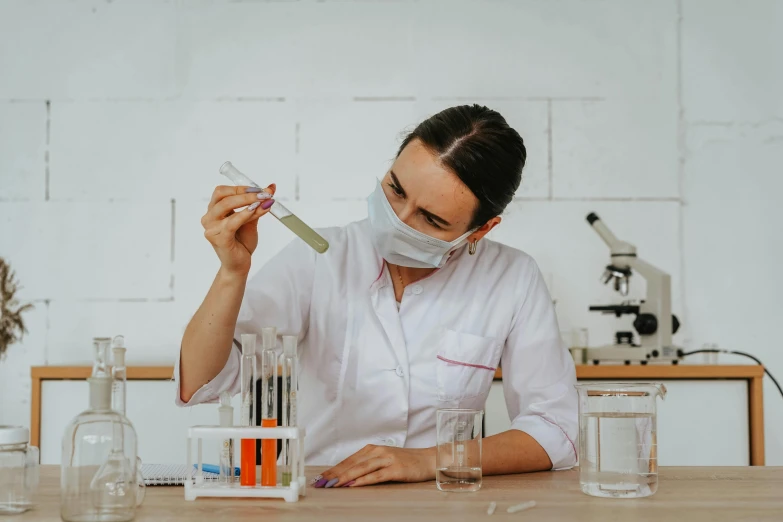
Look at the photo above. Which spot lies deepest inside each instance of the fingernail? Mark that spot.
(268, 203)
(251, 190)
(332, 482)
(321, 483)
(254, 206)
(264, 195)
(315, 479)
(351, 483)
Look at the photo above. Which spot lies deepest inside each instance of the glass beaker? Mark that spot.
(458, 456)
(618, 451)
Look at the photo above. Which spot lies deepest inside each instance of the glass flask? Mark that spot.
(18, 470)
(98, 474)
(618, 438)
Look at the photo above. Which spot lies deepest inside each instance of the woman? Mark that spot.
(409, 311)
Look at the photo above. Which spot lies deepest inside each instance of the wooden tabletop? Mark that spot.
(692, 494)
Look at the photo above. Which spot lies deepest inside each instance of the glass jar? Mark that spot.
(18, 470)
(98, 472)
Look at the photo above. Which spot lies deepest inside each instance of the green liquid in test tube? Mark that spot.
(286, 217)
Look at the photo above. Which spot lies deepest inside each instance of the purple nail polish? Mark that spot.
(351, 483)
(268, 203)
(252, 190)
(264, 195)
(332, 482)
(315, 479)
(321, 483)
(254, 206)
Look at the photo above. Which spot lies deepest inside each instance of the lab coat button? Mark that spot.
(399, 371)
(417, 289)
(390, 442)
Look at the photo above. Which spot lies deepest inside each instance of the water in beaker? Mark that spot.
(618, 451)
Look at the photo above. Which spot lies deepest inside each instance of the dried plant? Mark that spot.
(12, 327)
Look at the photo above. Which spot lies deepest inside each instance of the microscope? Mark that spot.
(654, 321)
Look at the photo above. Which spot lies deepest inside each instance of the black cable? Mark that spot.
(685, 354)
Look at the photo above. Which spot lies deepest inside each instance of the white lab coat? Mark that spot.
(373, 374)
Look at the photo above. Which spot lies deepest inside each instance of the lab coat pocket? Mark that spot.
(466, 365)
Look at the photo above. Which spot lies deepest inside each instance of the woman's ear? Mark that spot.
(484, 229)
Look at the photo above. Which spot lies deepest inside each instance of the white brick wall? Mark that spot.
(663, 117)
(23, 150)
(611, 149)
(147, 150)
(88, 49)
(732, 60)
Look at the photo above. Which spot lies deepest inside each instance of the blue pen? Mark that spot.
(211, 468)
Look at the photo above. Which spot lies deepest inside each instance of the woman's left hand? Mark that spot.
(375, 464)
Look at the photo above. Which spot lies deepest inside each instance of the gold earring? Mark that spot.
(472, 247)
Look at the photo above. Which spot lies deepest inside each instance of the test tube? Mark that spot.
(247, 391)
(120, 375)
(286, 217)
(269, 405)
(226, 412)
(288, 373)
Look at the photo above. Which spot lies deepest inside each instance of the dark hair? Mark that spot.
(477, 145)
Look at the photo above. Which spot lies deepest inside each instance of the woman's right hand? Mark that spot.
(234, 235)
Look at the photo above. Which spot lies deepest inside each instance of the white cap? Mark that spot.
(118, 341)
(269, 337)
(289, 345)
(248, 344)
(226, 411)
(14, 435)
(100, 392)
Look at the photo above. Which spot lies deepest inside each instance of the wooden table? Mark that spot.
(692, 494)
(752, 374)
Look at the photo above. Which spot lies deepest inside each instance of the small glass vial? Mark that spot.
(98, 472)
(18, 470)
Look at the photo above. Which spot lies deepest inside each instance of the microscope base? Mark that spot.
(627, 354)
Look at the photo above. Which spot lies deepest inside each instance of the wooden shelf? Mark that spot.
(157, 373)
(753, 374)
(665, 371)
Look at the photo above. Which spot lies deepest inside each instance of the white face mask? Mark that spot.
(402, 245)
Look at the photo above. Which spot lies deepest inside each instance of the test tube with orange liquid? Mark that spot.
(269, 405)
(247, 391)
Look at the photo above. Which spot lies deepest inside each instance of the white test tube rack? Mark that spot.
(198, 486)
